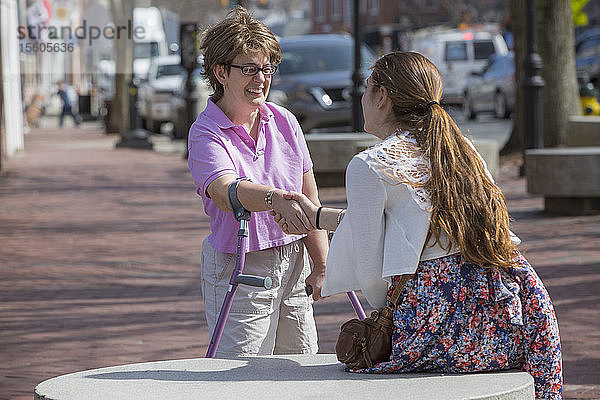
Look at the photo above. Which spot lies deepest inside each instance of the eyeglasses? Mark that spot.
(253, 69)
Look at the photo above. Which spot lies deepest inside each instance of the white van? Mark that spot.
(147, 45)
(456, 53)
(153, 42)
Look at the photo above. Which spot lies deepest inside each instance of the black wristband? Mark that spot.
(317, 219)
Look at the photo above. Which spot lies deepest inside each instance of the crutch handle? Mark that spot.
(252, 280)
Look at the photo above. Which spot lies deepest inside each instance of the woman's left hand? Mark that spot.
(315, 279)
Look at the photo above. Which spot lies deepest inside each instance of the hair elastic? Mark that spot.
(432, 103)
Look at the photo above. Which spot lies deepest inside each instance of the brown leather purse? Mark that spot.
(362, 344)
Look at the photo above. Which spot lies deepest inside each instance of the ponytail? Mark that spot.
(466, 204)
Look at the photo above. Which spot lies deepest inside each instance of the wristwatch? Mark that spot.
(269, 198)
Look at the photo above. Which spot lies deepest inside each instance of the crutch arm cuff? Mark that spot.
(239, 212)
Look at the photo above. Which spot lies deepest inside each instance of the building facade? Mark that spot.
(385, 23)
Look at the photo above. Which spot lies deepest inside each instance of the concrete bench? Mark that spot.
(569, 178)
(489, 150)
(317, 376)
(331, 153)
(583, 131)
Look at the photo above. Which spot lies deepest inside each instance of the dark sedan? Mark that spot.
(314, 79)
(492, 89)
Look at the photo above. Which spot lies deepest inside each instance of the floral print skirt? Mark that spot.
(458, 317)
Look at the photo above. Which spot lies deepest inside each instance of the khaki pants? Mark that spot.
(261, 322)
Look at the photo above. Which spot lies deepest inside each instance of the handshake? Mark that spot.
(295, 213)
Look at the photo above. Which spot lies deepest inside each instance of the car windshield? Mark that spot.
(589, 48)
(321, 58)
(169, 70)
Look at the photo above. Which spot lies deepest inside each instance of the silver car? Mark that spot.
(492, 90)
(165, 78)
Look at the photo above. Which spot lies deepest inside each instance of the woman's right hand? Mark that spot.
(309, 209)
(290, 215)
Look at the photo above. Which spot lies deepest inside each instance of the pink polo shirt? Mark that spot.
(279, 159)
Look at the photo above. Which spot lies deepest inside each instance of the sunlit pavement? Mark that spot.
(100, 250)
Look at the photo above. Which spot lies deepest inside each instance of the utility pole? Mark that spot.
(126, 88)
(533, 85)
(357, 77)
(189, 39)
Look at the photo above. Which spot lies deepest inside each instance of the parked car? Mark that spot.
(165, 79)
(456, 53)
(587, 54)
(314, 79)
(588, 94)
(492, 89)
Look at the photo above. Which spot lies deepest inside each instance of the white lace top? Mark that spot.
(384, 230)
(399, 159)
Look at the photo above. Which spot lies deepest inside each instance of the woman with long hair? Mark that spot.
(422, 203)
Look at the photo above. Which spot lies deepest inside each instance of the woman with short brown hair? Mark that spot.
(242, 136)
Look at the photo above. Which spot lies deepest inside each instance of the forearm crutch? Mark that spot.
(243, 216)
(353, 299)
(351, 295)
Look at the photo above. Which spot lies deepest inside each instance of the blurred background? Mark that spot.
(99, 248)
(102, 49)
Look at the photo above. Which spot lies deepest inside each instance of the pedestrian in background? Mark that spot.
(422, 205)
(239, 134)
(67, 106)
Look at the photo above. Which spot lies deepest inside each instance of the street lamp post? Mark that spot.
(533, 85)
(136, 137)
(357, 77)
(189, 38)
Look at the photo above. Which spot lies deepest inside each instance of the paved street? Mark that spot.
(484, 127)
(99, 254)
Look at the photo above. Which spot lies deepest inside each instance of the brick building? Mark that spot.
(386, 22)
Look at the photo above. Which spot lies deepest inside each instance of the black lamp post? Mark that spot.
(136, 137)
(533, 85)
(189, 37)
(357, 77)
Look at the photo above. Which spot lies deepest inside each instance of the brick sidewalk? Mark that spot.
(100, 250)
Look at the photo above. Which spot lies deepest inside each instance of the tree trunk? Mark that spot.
(122, 11)
(555, 43)
(556, 47)
(516, 142)
(1, 107)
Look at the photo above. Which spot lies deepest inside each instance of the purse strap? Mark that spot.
(398, 291)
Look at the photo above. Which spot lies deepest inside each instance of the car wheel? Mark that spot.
(155, 126)
(150, 124)
(468, 107)
(500, 109)
(178, 131)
